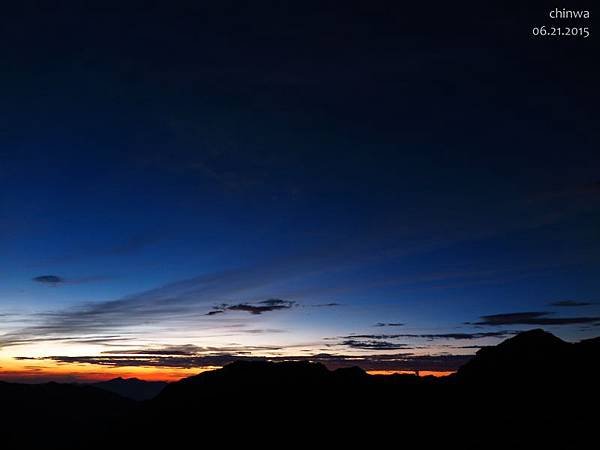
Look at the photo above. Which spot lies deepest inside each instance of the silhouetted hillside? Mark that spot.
(531, 381)
(260, 378)
(55, 415)
(533, 357)
(518, 390)
(132, 388)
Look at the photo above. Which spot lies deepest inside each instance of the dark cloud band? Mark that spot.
(49, 279)
(272, 304)
(407, 361)
(533, 318)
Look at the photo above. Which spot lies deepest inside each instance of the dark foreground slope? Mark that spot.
(54, 415)
(533, 388)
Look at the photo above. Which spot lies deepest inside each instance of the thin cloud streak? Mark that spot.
(571, 303)
(533, 318)
(185, 302)
(48, 279)
(398, 362)
(455, 336)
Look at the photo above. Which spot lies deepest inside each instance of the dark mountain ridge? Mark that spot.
(532, 358)
(55, 415)
(531, 382)
(528, 380)
(132, 388)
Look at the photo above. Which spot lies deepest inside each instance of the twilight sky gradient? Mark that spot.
(370, 184)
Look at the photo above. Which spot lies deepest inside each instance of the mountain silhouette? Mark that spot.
(132, 388)
(533, 357)
(530, 382)
(55, 415)
(532, 388)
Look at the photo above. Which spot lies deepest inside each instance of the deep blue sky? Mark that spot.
(360, 164)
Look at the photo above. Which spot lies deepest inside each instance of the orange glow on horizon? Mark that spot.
(422, 373)
(41, 371)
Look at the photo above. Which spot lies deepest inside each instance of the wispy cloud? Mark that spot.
(179, 302)
(55, 280)
(49, 279)
(26, 338)
(570, 303)
(533, 318)
(192, 350)
(398, 341)
(365, 344)
(185, 303)
(456, 336)
(190, 302)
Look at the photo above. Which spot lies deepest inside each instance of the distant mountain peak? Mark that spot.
(528, 356)
(132, 388)
(536, 336)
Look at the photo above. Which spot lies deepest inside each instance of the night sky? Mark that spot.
(364, 183)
